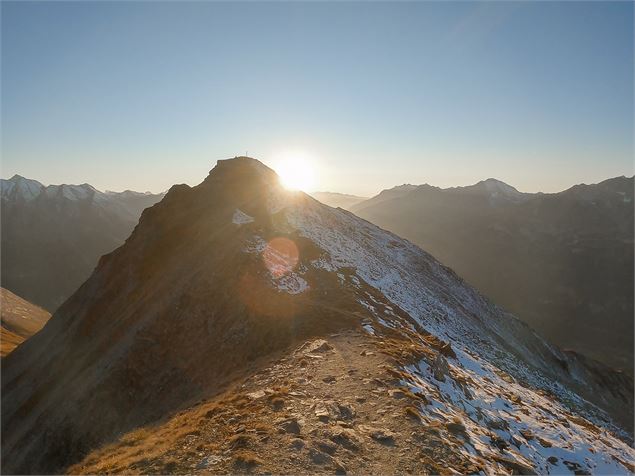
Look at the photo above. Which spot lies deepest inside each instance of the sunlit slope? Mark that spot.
(20, 320)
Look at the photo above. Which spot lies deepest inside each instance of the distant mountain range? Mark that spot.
(19, 320)
(245, 328)
(53, 236)
(335, 200)
(563, 262)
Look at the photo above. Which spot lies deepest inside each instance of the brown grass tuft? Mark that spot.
(246, 459)
(135, 437)
(412, 413)
(277, 403)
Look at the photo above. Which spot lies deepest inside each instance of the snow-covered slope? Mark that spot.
(506, 384)
(501, 420)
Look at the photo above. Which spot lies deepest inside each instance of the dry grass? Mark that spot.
(584, 423)
(135, 437)
(544, 443)
(238, 400)
(420, 397)
(277, 398)
(456, 427)
(277, 403)
(246, 460)
(8, 341)
(412, 413)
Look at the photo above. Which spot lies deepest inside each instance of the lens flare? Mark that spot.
(280, 256)
(296, 171)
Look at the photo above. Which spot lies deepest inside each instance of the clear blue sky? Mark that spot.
(144, 95)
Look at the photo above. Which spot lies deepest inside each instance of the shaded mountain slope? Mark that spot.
(384, 195)
(52, 236)
(562, 262)
(335, 200)
(218, 279)
(19, 320)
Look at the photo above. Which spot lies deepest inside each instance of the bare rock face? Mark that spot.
(381, 435)
(440, 368)
(218, 278)
(291, 425)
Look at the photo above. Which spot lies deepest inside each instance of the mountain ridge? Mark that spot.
(217, 277)
(335, 199)
(536, 254)
(53, 235)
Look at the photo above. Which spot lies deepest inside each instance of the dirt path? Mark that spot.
(331, 406)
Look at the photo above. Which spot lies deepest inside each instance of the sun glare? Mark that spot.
(296, 172)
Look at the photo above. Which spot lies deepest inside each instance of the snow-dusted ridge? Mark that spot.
(21, 188)
(18, 186)
(489, 343)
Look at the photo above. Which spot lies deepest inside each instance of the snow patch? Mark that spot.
(241, 218)
(323, 263)
(368, 328)
(74, 192)
(291, 283)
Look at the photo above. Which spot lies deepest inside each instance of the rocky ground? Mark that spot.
(331, 406)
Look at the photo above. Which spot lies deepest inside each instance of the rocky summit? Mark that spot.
(246, 328)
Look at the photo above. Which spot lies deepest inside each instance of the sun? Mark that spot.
(296, 172)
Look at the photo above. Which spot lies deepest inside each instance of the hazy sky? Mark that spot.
(144, 95)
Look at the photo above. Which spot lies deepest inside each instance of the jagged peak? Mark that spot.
(22, 187)
(242, 170)
(21, 179)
